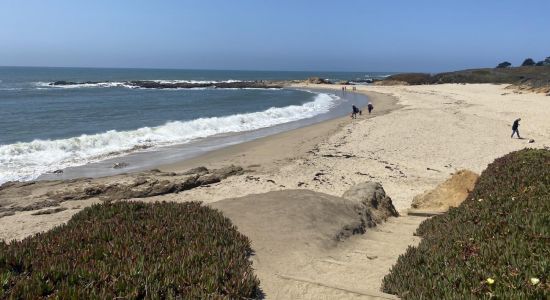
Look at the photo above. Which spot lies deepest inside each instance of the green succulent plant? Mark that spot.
(495, 244)
(132, 250)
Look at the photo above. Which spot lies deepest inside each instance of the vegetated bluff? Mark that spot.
(536, 78)
(495, 244)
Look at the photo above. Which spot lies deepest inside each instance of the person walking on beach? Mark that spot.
(354, 112)
(370, 107)
(515, 128)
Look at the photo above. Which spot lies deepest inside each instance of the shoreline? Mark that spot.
(290, 144)
(165, 156)
(263, 155)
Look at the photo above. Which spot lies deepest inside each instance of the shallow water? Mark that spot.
(45, 128)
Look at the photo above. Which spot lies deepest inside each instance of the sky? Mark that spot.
(353, 35)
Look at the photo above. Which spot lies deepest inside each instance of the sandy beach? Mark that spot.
(415, 139)
(432, 132)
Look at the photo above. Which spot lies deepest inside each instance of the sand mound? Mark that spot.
(447, 194)
(291, 229)
(390, 82)
(291, 220)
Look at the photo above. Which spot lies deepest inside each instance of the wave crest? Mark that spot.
(126, 84)
(27, 161)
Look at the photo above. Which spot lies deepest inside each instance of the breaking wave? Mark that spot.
(124, 84)
(27, 161)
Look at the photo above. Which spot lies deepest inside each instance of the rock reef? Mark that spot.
(36, 195)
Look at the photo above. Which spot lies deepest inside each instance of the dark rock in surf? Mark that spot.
(120, 165)
(318, 80)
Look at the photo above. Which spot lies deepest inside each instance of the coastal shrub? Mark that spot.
(495, 244)
(132, 250)
(504, 64)
(499, 75)
(481, 72)
(412, 78)
(528, 62)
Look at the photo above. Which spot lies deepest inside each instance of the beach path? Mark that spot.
(354, 269)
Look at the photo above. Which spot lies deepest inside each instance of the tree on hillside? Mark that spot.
(504, 64)
(539, 63)
(547, 61)
(528, 62)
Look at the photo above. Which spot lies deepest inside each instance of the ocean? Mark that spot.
(44, 128)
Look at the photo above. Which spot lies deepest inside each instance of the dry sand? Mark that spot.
(439, 130)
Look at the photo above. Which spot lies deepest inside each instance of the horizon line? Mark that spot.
(196, 69)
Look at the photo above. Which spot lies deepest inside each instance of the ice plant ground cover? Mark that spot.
(495, 244)
(132, 250)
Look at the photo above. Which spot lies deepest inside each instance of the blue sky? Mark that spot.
(398, 35)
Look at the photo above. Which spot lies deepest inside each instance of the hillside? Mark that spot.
(536, 78)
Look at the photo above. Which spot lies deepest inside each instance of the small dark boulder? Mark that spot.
(120, 165)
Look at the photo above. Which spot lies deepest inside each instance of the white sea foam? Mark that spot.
(198, 81)
(125, 84)
(106, 84)
(26, 161)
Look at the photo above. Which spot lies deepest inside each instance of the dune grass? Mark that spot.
(132, 250)
(495, 244)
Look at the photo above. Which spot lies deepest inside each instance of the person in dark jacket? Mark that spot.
(354, 112)
(515, 128)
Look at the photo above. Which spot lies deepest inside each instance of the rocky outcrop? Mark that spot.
(317, 80)
(372, 202)
(151, 184)
(35, 195)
